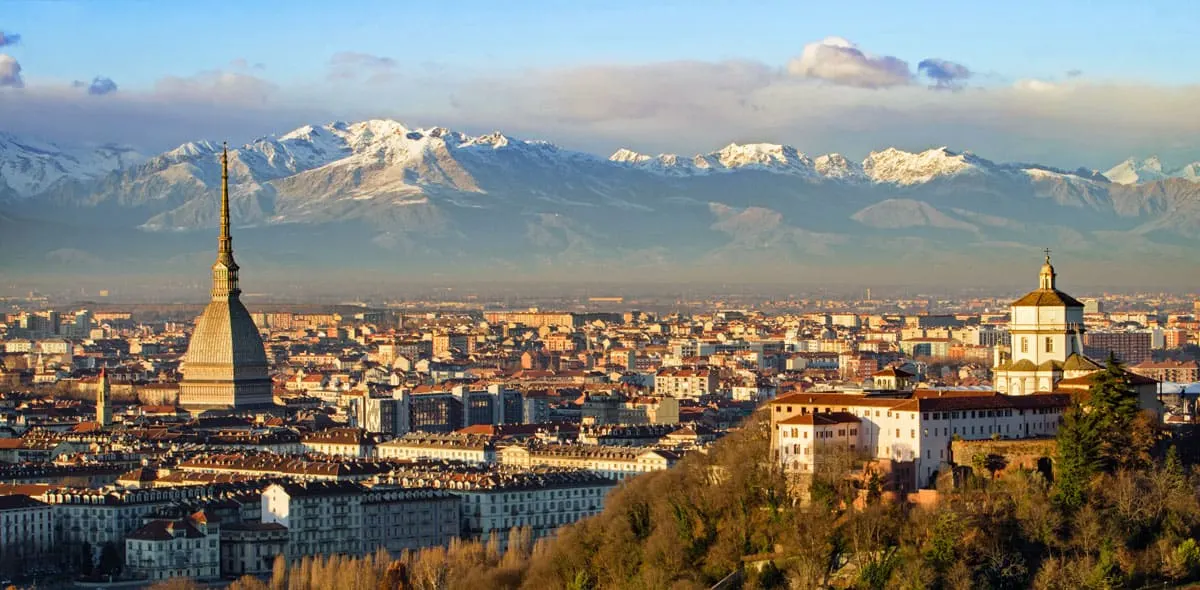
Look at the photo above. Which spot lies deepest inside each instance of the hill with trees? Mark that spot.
(1116, 514)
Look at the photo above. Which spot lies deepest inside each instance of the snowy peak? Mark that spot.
(764, 156)
(28, 167)
(628, 156)
(1132, 171)
(838, 167)
(905, 168)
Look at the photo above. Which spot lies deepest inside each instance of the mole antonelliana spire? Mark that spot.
(226, 365)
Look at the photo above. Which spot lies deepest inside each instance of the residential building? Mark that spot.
(685, 382)
(26, 529)
(249, 548)
(174, 548)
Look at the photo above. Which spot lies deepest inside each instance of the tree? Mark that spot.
(1078, 456)
(1115, 404)
(110, 560)
(279, 571)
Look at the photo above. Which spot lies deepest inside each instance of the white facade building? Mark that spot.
(914, 433)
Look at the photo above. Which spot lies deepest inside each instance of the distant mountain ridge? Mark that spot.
(384, 189)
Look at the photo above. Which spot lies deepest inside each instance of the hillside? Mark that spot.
(695, 524)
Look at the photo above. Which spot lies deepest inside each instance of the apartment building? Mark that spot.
(451, 447)
(617, 463)
(26, 528)
(685, 382)
(495, 500)
(174, 548)
(322, 518)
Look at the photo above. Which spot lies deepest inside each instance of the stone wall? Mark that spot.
(1004, 454)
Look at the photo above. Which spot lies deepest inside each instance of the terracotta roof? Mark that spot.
(823, 419)
(1047, 298)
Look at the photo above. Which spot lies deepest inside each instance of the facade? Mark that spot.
(249, 548)
(494, 501)
(26, 529)
(1046, 330)
(400, 519)
(168, 548)
(617, 463)
(1169, 370)
(322, 518)
(685, 382)
(912, 434)
(448, 447)
(340, 442)
(226, 363)
(809, 440)
(1129, 347)
(97, 517)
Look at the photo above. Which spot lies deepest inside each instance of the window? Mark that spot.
(1024, 345)
(1049, 344)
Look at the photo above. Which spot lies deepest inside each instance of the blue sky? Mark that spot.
(439, 52)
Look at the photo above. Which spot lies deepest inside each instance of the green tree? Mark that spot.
(1078, 456)
(1115, 404)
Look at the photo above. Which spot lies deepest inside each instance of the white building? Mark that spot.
(450, 447)
(617, 463)
(807, 440)
(184, 548)
(322, 518)
(913, 434)
(685, 382)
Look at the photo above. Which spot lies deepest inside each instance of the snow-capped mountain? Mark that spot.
(376, 188)
(1132, 171)
(906, 168)
(768, 157)
(28, 167)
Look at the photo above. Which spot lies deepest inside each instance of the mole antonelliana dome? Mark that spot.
(226, 365)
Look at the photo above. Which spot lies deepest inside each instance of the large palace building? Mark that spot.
(226, 365)
(1047, 340)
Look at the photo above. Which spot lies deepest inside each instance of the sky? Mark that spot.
(1071, 84)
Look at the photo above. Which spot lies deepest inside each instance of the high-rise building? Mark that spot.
(226, 364)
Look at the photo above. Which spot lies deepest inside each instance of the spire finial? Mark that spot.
(1047, 251)
(225, 282)
(225, 242)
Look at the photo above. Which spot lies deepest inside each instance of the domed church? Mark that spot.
(1047, 340)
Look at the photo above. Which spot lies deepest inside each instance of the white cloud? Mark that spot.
(839, 61)
(10, 72)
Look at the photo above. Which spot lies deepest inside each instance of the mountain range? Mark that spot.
(379, 195)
